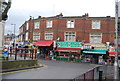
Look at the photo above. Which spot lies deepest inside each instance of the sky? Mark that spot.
(21, 10)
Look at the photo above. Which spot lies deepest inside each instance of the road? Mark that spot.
(51, 70)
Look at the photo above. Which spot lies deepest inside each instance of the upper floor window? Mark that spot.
(21, 29)
(26, 36)
(49, 24)
(48, 35)
(70, 24)
(36, 36)
(21, 37)
(36, 25)
(27, 26)
(96, 24)
(70, 36)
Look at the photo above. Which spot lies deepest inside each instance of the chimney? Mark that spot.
(108, 16)
(30, 18)
(86, 15)
(60, 15)
(39, 17)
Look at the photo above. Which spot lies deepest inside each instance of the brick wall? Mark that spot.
(83, 28)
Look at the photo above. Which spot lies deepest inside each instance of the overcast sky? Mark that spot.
(22, 9)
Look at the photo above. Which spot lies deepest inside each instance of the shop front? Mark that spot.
(112, 53)
(94, 56)
(68, 51)
(45, 48)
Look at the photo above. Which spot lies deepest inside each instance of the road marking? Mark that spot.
(44, 66)
(15, 71)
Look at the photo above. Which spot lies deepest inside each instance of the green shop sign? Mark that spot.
(70, 44)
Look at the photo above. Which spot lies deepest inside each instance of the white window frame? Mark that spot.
(49, 24)
(27, 26)
(36, 36)
(48, 35)
(21, 30)
(95, 35)
(21, 37)
(70, 23)
(70, 36)
(26, 35)
(36, 25)
(96, 24)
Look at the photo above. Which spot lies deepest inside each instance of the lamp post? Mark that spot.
(116, 67)
(14, 34)
(4, 7)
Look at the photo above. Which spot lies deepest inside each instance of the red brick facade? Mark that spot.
(82, 27)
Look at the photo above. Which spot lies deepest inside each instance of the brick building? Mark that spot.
(72, 31)
(69, 29)
(8, 40)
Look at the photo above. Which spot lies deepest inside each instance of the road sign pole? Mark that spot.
(116, 68)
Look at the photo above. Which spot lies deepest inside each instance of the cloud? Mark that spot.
(22, 9)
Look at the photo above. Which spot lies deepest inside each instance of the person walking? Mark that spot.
(6, 53)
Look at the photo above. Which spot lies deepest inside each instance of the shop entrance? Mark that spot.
(44, 52)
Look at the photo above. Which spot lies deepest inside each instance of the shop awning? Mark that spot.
(95, 51)
(112, 53)
(43, 43)
(73, 50)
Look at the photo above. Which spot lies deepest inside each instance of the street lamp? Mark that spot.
(116, 66)
(14, 33)
(4, 7)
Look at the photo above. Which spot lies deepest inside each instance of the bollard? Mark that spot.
(24, 53)
(21, 51)
(100, 75)
(15, 53)
(10, 52)
(35, 53)
(32, 53)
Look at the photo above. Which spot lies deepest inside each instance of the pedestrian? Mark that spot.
(72, 58)
(38, 53)
(10, 51)
(80, 57)
(51, 55)
(6, 54)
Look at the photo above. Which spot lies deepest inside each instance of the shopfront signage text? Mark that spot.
(70, 44)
